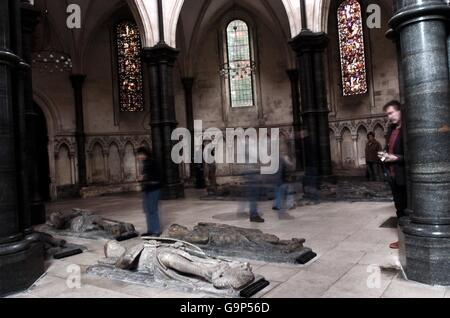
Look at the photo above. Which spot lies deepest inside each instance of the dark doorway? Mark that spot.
(42, 160)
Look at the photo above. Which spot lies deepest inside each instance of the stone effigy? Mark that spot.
(226, 240)
(86, 224)
(167, 262)
(54, 247)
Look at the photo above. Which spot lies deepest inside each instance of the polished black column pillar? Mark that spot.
(21, 259)
(77, 84)
(160, 61)
(197, 173)
(30, 20)
(394, 37)
(297, 120)
(421, 25)
(310, 47)
(447, 2)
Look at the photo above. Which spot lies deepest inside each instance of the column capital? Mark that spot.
(161, 52)
(409, 13)
(309, 41)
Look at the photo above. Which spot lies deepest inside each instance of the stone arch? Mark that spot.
(114, 163)
(361, 145)
(102, 19)
(348, 151)
(381, 123)
(48, 107)
(380, 133)
(93, 142)
(63, 165)
(129, 162)
(133, 141)
(64, 142)
(54, 126)
(144, 143)
(145, 26)
(97, 160)
(343, 128)
(334, 149)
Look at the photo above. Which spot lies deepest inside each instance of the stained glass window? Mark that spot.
(130, 67)
(351, 41)
(240, 64)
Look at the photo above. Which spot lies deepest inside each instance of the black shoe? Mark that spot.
(276, 209)
(256, 219)
(151, 235)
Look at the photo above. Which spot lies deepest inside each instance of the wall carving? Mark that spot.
(349, 137)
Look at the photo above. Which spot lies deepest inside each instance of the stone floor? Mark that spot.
(353, 255)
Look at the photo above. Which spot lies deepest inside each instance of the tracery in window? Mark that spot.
(239, 67)
(129, 67)
(351, 43)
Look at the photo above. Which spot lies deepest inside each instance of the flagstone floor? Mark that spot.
(354, 259)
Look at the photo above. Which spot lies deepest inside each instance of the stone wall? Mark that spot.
(352, 117)
(348, 139)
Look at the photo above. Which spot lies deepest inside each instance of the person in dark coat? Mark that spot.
(151, 186)
(373, 147)
(394, 160)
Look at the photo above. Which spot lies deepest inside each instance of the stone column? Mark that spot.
(339, 146)
(105, 153)
(197, 173)
(297, 118)
(21, 258)
(394, 37)
(310, 47)
(321, 104)
(421, 25)
(122, 164)
(160, 61)
(448, 35)
(37, 207)
(77, 81)
(355, 150)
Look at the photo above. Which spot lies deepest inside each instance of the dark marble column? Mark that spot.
(310, 47)
(77, 84)
(21, 257)
(160, 61)
(197, 173)
(421, 25)
(30, 20)
(297, 118)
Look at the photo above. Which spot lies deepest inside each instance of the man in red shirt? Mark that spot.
(394, 160)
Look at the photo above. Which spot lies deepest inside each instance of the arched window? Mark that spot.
(351, 43)
(131, 97)
(239, 66)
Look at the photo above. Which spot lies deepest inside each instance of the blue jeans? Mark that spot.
(280, 197)
(151, 209)
(254, 195)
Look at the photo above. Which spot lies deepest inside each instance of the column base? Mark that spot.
(427, 254)
(19, 271)
(172, 191)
